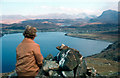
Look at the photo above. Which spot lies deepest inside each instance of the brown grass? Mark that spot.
(105, 37)
(103, 66)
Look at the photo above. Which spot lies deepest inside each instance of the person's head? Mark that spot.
(30, 32)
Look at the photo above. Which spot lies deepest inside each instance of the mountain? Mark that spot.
(9, 19)
(112, 52)
(14, 17)
(108, 16)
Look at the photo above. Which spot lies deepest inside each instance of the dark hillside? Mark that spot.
(112, 52)
(108, 16)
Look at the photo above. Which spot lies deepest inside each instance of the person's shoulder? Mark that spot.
(37, 45)
(18, 46)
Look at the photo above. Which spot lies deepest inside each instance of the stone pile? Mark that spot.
(67, 63)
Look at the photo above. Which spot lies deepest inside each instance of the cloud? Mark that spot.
(68, 10)
(36, 7)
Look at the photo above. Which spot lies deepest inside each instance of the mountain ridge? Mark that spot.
(108, 16)
(10, 19)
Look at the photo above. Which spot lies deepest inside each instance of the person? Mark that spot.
(28, 54)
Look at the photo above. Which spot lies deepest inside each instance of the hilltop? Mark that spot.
(108, 16)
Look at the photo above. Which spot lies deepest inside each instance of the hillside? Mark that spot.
(95, 27)
(43, 24)
(107, 62)
(112, 52)
(108, 16)
(104, 67)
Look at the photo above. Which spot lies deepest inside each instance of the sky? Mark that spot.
(42, 7)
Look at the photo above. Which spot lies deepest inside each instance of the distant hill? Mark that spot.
(10, 19)
(95, 27)
(112, 52)
(43, 24)
(13, 17)
(108, 16)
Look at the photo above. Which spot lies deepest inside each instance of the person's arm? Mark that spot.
(38, 56)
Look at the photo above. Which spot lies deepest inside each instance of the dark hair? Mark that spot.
(30, 32)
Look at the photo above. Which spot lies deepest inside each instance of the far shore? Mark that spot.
(92, 36)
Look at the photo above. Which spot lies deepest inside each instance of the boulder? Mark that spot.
(68, 58)
(50, 65)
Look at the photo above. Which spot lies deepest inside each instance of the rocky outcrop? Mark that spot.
(67, 63)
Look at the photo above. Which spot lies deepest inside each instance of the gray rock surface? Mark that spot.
(68, 58)
(50, 65)
(81, 69)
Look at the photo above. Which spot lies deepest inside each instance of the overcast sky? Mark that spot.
(38, 7)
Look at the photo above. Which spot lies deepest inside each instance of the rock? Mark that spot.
(13, 74)
(68, 74)
(68, 58)
(91, 71)
(42, 73)
(81, 69)
(55, 59)
(49, 57)
(54, 73)
(50, 65)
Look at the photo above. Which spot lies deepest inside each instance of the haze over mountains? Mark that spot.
(108, 16)
(9, 19)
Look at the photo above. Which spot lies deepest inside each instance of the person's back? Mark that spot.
(29, 57)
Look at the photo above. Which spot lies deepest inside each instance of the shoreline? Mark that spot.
(74, 35)
(92, 39)
(1, 35)
(92, 36)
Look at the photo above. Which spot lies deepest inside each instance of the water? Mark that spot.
(48, 42)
